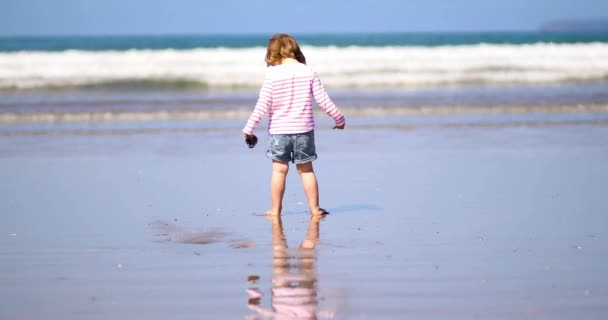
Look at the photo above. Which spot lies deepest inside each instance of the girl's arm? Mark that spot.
(323, 100)
(261, 107)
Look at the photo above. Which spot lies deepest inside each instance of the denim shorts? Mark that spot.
(297, 148)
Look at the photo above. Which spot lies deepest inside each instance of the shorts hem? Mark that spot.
(302, 161)
(299, 161)
(277, 158)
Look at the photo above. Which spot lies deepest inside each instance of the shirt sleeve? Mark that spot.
(261, 107)
(323, 100)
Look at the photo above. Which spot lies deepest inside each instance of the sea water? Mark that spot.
(159, 75)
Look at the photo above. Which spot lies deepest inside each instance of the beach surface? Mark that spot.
(463, 216)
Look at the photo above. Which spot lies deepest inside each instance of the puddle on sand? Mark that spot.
(172, 232)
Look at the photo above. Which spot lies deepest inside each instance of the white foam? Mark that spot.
(345, 67)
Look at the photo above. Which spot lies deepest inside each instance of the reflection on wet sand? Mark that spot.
(294, 279)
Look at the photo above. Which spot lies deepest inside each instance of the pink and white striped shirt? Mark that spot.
(287, 92)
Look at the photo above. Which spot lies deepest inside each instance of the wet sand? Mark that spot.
(436, 218)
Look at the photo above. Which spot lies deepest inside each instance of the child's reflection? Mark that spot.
(294, 281)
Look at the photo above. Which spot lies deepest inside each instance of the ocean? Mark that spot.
(154, 75)
(470, 182)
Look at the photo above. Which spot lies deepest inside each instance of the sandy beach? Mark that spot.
(431, 217)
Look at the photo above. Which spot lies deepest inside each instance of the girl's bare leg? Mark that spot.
(312, 235)
(311, 188)
(277, 186)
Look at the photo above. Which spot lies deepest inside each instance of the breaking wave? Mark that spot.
(339, 67)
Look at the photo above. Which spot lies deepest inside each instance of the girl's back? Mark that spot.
(287, 93)
(291, 110)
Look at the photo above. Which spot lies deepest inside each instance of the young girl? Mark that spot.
(287, 94)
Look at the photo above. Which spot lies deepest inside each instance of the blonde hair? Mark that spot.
(282, 46)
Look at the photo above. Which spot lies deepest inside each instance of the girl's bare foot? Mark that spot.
(319, 212)
(273, 213)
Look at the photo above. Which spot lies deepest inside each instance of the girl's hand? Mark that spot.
(340, 127)
(251, 140)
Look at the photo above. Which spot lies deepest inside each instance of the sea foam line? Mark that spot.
(242, 114)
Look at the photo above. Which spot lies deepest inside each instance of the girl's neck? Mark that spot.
(289, 61)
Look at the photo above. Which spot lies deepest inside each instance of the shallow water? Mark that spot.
(70, 101)
(431, 222)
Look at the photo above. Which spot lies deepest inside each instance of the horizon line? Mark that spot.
(308, 33)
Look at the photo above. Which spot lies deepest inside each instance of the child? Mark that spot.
(287, 93)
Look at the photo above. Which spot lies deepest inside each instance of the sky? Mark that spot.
(124, 17)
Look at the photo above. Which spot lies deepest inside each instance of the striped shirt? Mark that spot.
(287, 94)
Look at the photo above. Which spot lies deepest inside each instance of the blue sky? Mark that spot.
(43, 17)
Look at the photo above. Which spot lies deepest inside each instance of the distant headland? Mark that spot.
(583, 25)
